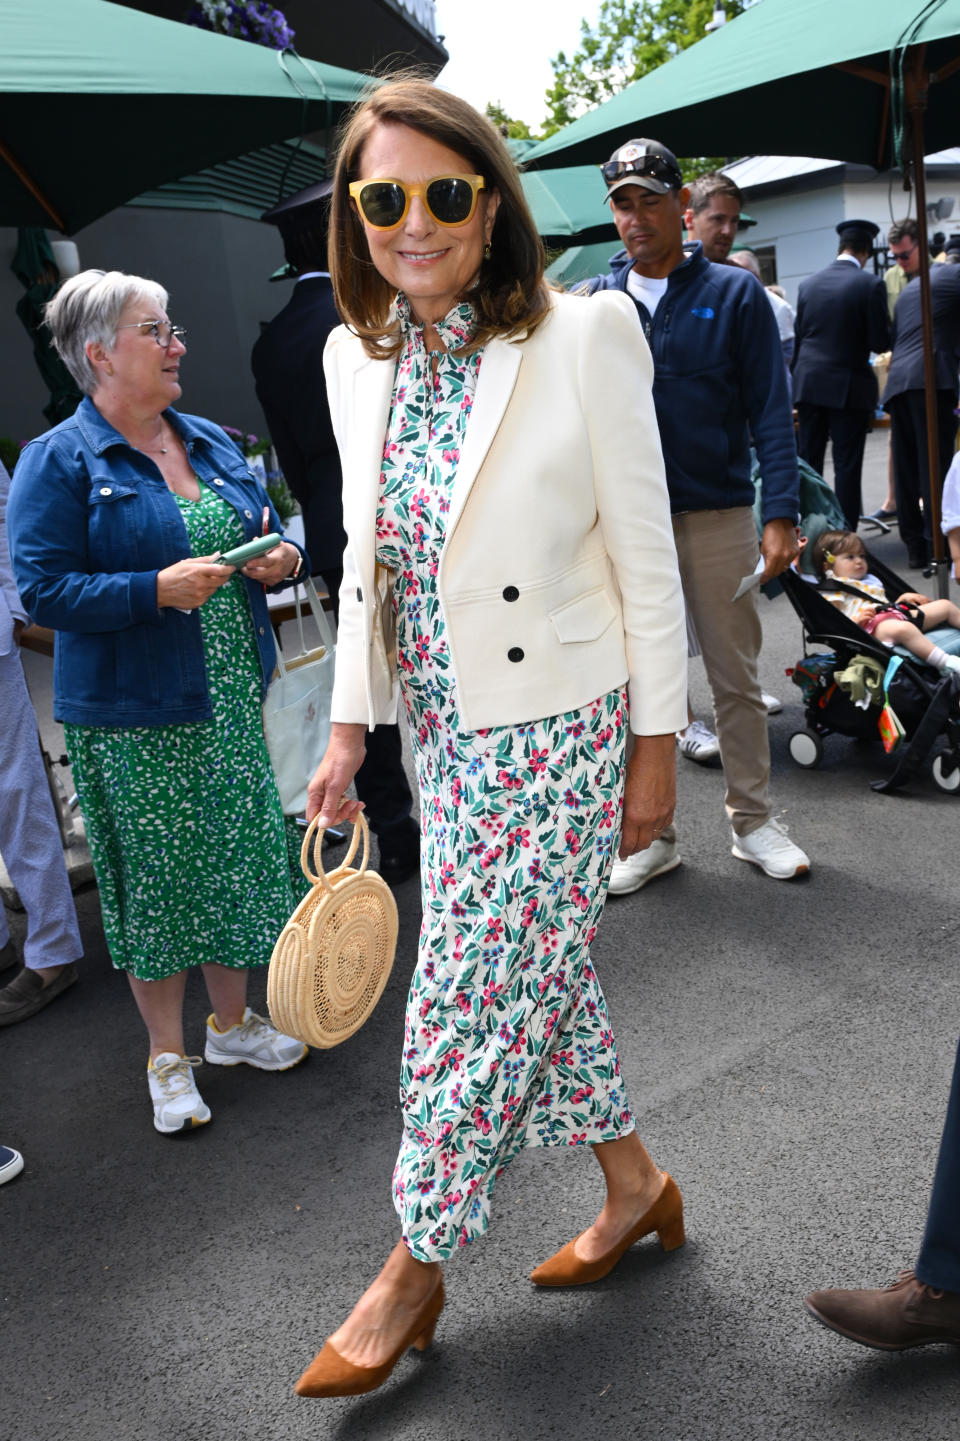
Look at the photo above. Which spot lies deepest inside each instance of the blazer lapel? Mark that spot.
(372, 388)
(495, 383)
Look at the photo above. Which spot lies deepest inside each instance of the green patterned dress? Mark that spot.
(188, 840)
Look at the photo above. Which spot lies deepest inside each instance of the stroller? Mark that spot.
(925, 704)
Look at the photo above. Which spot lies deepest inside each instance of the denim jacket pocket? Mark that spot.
(112, 510)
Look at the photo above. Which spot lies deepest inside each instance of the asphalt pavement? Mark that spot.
(787, 1048)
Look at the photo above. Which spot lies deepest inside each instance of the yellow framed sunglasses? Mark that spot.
(449, 199)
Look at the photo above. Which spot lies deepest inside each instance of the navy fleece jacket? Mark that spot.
(719, 378)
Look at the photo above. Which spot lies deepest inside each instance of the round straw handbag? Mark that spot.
(334, 955)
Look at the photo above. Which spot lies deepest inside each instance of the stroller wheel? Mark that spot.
(945, 770)
(806, 747)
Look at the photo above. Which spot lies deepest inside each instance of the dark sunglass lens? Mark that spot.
(450, 199)
(382, 202)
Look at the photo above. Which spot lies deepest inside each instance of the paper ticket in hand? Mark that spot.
(749, 581)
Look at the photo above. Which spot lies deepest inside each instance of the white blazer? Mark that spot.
(558, 579)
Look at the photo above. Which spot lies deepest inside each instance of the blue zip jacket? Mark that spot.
(91, 523)
(718, 376)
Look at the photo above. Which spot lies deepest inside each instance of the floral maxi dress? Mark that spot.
(507, 1040)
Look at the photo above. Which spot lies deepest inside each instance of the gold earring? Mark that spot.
(109, 368)
(487, 251)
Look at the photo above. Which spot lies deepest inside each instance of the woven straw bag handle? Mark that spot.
(313, 842)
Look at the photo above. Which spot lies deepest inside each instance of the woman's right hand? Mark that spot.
(190, 582)
(326, 793)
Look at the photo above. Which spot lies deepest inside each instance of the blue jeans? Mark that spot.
(938, 1264)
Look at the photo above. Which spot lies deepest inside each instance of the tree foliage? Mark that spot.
(511, 129)
(630, 38)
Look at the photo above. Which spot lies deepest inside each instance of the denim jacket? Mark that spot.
(91, 524)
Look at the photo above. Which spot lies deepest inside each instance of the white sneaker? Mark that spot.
(177, 1104)
(770, 848)
(698, 743)
(643, 866)
(774, 706)
(11, 1163)
(253, 1041)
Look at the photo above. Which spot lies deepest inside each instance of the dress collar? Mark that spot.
(455, 329)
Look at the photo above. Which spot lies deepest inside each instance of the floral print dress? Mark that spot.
(186, 833)
(507, 1040)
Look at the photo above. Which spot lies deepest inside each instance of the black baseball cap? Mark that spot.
(302, 220)
(642, 162)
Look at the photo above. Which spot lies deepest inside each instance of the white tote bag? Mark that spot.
(296, 709)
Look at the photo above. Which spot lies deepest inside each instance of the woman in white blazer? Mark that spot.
(510, 574)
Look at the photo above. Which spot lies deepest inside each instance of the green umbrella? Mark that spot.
(873, 81)
(36, 269)
(569, 204)
(580, 262)
(787, 77)
(99, 102)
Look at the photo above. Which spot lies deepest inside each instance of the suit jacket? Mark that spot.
(11, 606)
(558, 580)
(906, 364)
(841, 317)
(287, 364)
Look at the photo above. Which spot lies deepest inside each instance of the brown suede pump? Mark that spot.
(665, 1217)
(329, 1374)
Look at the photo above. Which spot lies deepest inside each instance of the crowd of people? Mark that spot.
(526, 537)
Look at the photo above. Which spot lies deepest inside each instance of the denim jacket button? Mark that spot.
(248, 514)
(217, 480)
(106, 490)
(262, 632)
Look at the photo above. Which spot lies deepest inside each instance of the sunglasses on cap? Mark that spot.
(653, 166)
(449, 199)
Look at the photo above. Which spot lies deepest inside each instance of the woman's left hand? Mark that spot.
(649, 793)
(274, 565)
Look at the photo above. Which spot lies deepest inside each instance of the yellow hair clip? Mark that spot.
(829, 558)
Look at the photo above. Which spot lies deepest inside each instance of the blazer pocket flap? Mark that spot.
(585, 618)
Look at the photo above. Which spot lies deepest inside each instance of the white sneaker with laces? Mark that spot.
(698, 743)
(774, 706)
(253, 1041)
(643, 866)
(770, 848)
(177, 1104)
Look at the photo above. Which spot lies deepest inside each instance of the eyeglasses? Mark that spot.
(650, 165)
(902, 254)
(449, 199)
(162, 331)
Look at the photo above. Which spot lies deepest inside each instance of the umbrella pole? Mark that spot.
(35, 191)
(917, 104)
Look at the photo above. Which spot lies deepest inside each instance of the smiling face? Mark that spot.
(145, 375)
(432, 264)
(650, 227)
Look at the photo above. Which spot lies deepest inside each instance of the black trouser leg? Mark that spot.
(381, 781)
(812, 431)
(848, 431)
(908, 434)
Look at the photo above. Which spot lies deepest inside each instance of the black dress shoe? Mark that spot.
(399, 852)
(916, 559)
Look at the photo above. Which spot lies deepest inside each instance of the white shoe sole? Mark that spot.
(189, 1123)
(670, 865)
(11, 1169)
(801, 870)
(214, 1057)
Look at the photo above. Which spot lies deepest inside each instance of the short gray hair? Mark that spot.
(87, 309)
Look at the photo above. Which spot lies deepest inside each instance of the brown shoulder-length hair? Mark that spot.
(511, 295)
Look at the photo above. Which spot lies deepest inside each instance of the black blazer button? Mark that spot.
(510, 592)
(359, 596)
(514, 653)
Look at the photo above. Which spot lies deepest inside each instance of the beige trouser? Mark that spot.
(716, 549)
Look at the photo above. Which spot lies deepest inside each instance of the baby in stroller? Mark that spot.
(840, 555)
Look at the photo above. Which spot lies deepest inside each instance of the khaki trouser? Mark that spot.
(716, 548)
